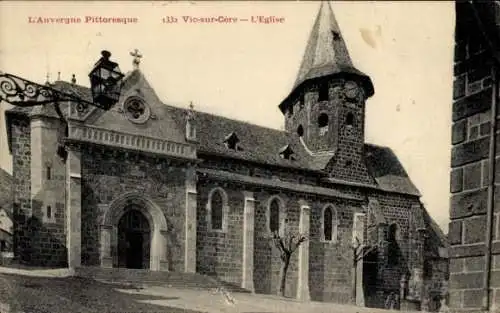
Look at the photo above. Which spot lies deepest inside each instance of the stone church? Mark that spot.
(147, 185)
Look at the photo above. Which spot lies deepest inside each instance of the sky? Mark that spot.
(243, 70)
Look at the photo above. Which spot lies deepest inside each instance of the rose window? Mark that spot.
(136, 110)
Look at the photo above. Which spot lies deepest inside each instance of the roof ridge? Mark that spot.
(228, 118)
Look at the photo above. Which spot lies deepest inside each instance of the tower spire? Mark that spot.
(326, 52)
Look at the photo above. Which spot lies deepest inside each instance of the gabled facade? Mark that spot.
(153, 186)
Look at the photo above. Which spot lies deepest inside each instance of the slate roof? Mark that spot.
(276, 183)
(256, 143)
(388, 172)
(261, 144)
(438, 243)
(20, 110)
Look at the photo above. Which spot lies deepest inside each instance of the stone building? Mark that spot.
(474, 232)
(6, 223)
(152, 186)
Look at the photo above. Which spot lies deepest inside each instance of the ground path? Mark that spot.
(54, 291)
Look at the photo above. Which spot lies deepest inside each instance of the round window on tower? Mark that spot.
(323, 120)
(300, 131)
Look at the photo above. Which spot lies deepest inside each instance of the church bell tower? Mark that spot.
(326, 107)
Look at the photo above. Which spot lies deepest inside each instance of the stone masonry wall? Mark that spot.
(48, 174)
(21, 168)
(436, 275)
(397, 210)
(107, 174)
(220, 253)
(346, 140)
(469, 168)
(330, 262)
(266, 257)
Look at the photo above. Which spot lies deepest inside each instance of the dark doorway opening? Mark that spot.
(134, 240)
(370, 269)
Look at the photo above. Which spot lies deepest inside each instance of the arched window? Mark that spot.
(392, 233)
(329, 224)
(216, 214)
(393, 247)
(274, 216)
(349, 119)
(217, 210)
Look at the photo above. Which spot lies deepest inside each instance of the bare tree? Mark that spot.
(286, 245)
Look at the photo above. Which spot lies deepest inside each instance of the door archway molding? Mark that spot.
(157, 223)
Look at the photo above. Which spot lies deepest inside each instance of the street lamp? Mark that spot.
(105, 80)
(105, 84)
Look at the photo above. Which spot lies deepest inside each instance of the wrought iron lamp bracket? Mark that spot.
(24, 93)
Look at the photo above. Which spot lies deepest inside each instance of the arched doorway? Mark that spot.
(134, 239)
(148, 218)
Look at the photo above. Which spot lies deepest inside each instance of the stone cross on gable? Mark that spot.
(190, 112)
(137, 58)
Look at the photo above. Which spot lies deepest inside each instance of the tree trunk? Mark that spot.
(354, 283)
(284, 268)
